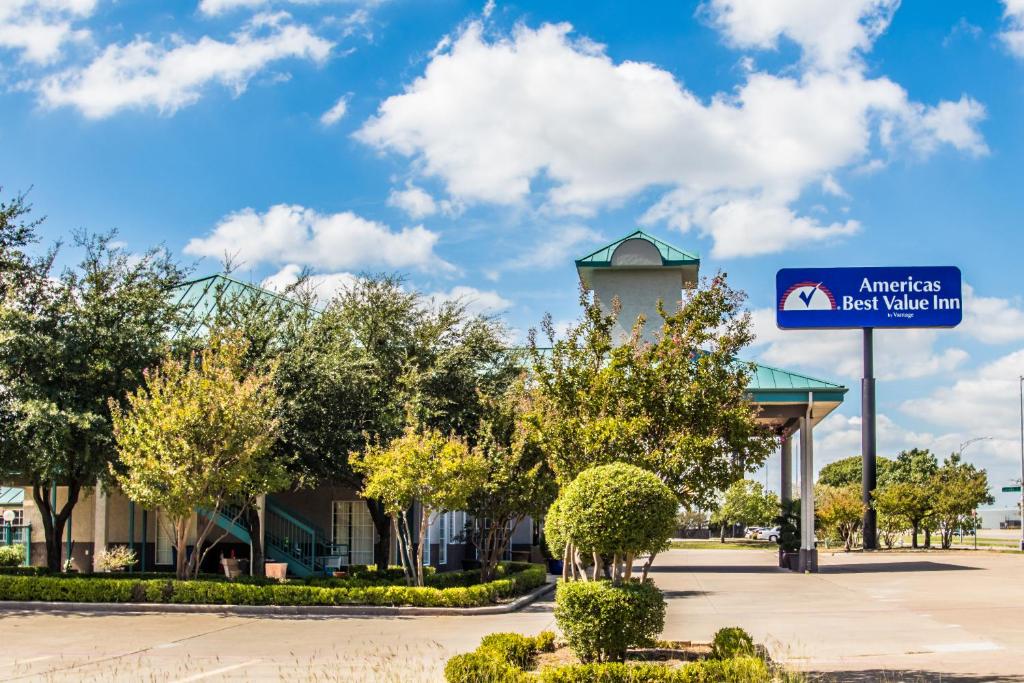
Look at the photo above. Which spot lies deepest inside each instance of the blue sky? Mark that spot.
(480, 148)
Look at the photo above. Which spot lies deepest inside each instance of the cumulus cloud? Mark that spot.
(839, 437)
(169, 76)
(490, 117)
(38, 29)
(830, 33)
(1013, 32)
(558, 247)
(477, 302)
(415, 201)
(325, 285)
(899, 354)
(290, 234)
(990, 319)
(336, 112)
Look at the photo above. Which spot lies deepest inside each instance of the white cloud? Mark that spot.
(165, 77)
(490, 117)
(1013, 34)
(217, 7)
(984, 402)
(415, 201)
(336, 112)
(325, 285)
(290, 234)
(992, 320)
(39, 28)
(829, 32)
(477, 302)
(557, 247)
(836, 354)
(838, 437)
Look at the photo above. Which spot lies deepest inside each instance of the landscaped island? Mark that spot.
(451, 589)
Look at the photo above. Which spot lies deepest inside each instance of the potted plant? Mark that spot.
(788, 522)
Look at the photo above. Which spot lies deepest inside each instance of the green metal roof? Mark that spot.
(199, 298)
(767, 378)
(10, 495)
(670, 256)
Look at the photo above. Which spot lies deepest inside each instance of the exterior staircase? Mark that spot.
(288, 537)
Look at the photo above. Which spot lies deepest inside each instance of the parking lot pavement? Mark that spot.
(931, 616)
(865, 617)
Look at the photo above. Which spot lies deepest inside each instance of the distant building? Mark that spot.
(1000, 518)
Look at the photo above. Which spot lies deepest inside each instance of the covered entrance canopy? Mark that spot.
(638, 271)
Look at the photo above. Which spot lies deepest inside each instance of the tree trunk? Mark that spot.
(424, 521)
(927, 538)
(258, 565)
(382, 524)
(53, 524)
(721, 529)
(566, 559)
(181, 544)
(647, 566)
(916, 528)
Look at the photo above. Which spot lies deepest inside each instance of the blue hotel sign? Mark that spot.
(868, 297)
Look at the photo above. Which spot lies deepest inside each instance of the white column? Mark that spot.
(808, 553)
(99, 528)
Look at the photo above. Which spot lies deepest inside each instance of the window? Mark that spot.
(164, 544)
(352, 531)
(442, 537)
(17, 526)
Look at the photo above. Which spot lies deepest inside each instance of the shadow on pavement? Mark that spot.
(904, 676)
(882, 567)
(714, 569)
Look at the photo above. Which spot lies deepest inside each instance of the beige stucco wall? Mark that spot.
(638, 291)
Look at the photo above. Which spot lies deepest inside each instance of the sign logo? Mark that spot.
(837, 298)
(807, 296)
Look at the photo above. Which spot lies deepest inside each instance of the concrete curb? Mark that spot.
(276, 610)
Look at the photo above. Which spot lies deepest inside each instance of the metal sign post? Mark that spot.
(868, 443)
(865, 299)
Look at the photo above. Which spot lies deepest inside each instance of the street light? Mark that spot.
(965, 444)
(1021, 383)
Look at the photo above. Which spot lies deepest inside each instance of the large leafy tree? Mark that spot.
(677, 406)
(915, 469)
(411, 356)
(199, 435)
(959, 488)
(17, 267)
(518, 481)
(847, 471)
(70, 341)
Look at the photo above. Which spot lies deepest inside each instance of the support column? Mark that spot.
(99, 525)
(261, 514)
(868, 442)
(808, 553)
(786, 452)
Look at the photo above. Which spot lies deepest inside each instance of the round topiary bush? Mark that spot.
(601, 620)
(617, 509)
(732, 642)
(554, 530)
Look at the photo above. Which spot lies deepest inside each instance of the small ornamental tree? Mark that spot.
(910, 502)
(839, 511)
(959, 488)
(616, 512)
(518, 484)
(438, 472)
(745, 502)
(198, 434)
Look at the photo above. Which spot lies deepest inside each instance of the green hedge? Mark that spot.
(79, 589)
(736, 670)
(602, 620)
(506, 658)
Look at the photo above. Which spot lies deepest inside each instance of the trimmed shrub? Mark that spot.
(602, 620)
(554, 530)
(617, 509)
(512, 648)
(115, 559)
(130, 589)
(11, 555)
(544, 641)
(731, 642)
(482, 667)
(738, 670)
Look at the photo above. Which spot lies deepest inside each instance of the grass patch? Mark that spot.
(730, 544)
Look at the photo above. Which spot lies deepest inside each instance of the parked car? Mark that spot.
(771, 534)
(752, 531)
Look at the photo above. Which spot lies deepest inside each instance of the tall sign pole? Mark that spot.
(868, 442)
(866, 299)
